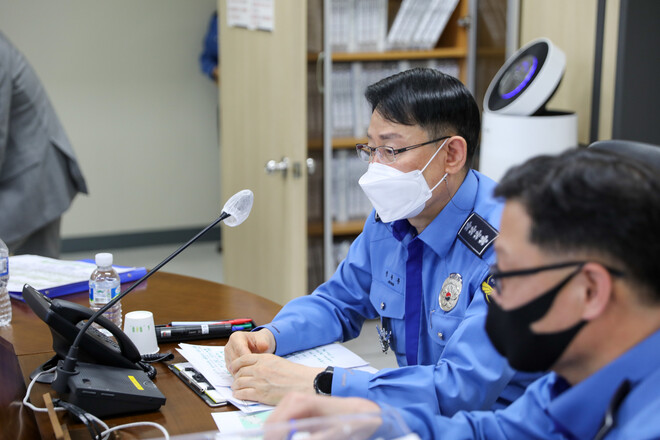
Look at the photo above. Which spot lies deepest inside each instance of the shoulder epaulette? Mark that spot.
(477, 234)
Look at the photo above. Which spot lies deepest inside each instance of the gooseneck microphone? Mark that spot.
(235, 211)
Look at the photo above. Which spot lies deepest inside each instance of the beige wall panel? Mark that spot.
(571, 25)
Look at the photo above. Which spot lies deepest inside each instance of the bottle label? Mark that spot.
(4, 266)
(102, 295)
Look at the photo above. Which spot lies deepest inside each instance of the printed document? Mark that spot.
(210, 362)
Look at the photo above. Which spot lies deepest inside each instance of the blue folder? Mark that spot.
(82, 286)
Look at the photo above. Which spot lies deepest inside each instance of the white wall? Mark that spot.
(125, 80)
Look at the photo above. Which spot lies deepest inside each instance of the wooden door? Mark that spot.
(263, 90)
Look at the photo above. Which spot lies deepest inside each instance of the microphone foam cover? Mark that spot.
(238, 207)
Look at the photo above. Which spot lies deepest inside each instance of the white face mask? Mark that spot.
(394, 194)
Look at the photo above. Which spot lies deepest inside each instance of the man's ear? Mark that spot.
(599, 290)
(456, 149)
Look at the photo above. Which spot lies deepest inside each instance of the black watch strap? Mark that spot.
(323, 382)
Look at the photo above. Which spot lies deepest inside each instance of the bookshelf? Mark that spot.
(333, 139)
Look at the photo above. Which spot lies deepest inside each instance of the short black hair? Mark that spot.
(437, 102)
(596, 202)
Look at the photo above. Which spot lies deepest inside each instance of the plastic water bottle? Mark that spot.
(104, 284)
(5, 302)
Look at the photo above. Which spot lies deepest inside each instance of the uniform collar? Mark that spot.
(441, 233)
(597, 390)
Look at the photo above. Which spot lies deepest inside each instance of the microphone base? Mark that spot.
(109, 391)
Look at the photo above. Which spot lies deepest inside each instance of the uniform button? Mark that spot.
(440, 335)
(382, 306)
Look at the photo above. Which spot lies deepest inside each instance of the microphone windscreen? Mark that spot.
(238, 207)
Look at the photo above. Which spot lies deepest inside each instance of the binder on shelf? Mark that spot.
(342, 109)
(427, 36)
(394, 36)
(358, 25)
(55, 278)
(341, 186)
(349, 201)
(357, 100)
(370, 25)
(341, 34)
(419, 16)
(419, 23)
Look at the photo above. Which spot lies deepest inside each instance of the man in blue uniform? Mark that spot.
(418, 266)
(574, 290)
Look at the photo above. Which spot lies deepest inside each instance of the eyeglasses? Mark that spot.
(388, 154)
(496, 275)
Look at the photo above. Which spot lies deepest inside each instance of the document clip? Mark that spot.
(198, 383)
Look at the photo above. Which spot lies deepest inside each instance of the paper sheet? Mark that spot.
(332, 354)
(235, 422)
(45, 273)
(210, 361)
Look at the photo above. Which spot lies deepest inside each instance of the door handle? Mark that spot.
(273, 166)
(311, 166)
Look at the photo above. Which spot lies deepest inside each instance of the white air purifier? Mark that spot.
(515, 123)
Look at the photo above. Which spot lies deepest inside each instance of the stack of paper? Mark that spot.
(57, 277)
(210, 362)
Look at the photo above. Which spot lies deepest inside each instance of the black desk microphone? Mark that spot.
(74, 377)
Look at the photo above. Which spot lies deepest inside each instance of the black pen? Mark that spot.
(183, 332)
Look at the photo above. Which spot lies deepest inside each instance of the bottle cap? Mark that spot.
(103, 259)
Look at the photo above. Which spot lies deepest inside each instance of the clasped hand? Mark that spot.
(260, 375)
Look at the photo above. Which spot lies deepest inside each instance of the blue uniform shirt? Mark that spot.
(552, 409)
(458, 368)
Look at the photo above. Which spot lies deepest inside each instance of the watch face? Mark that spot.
(323, 382)
(517, 76)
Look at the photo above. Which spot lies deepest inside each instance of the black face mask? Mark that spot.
(511, 334)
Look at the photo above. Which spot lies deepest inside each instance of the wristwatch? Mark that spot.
(323, 382)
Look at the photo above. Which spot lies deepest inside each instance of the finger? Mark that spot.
(265, 342)
(235, 347)
(252, 394)
(235, 352)
(244, 361)
(241, 383)
(262, 341)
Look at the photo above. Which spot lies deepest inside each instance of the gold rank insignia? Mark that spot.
(451, 289)
(487, 288)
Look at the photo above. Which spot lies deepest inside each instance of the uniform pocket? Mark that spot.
(442, 326)
(390, 305)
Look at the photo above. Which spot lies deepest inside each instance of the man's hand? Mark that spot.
(242, 343)
(267, 378)
(301, 406)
